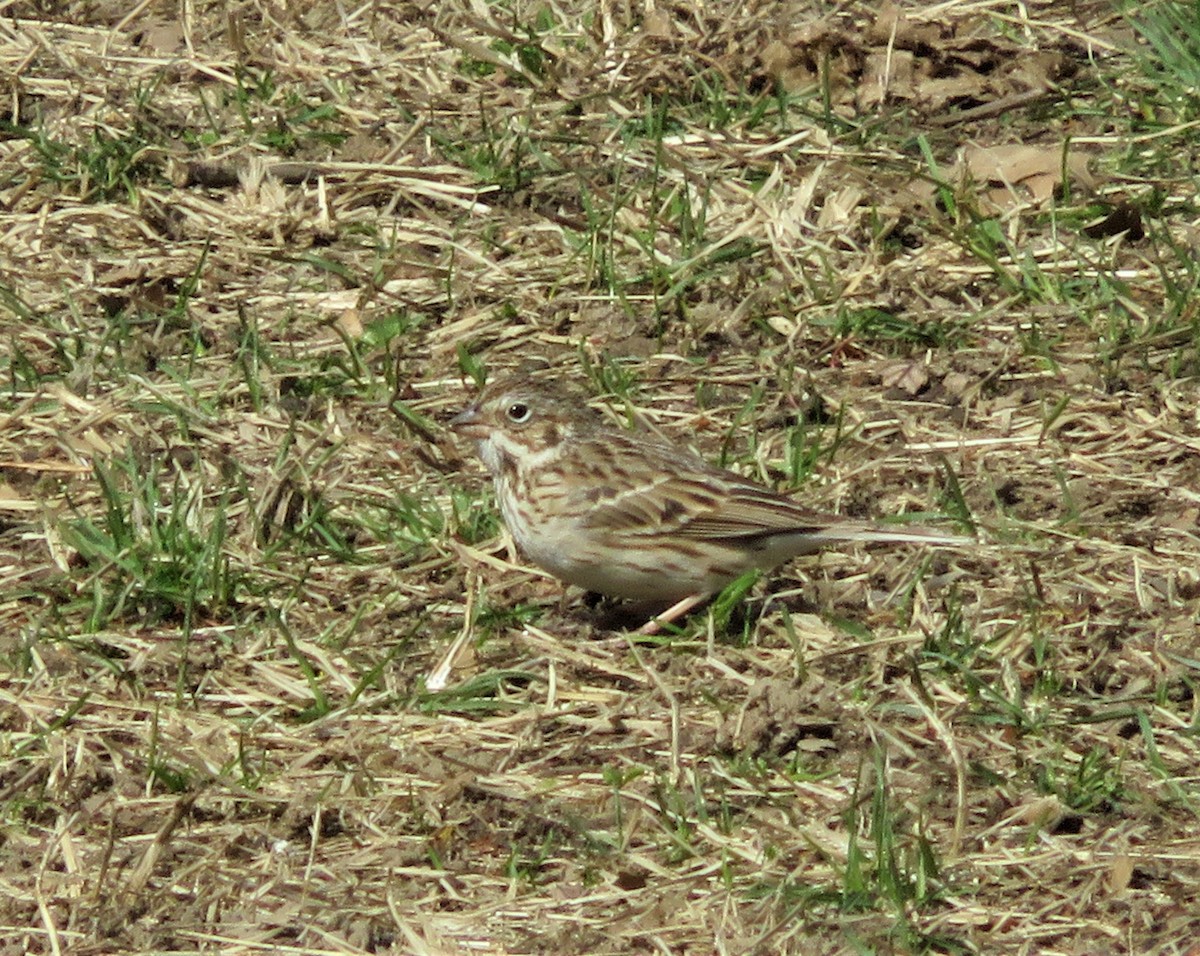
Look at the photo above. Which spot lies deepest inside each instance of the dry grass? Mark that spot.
(233, 238)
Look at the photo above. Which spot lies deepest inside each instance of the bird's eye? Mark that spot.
(518, 413)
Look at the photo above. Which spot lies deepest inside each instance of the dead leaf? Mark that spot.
(162, 38)
(909, 377)
(1016, 173)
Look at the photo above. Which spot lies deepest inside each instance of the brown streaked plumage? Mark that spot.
(633, 516)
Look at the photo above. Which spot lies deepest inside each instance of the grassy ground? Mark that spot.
(940, 260)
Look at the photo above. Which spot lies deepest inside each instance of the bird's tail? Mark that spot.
(917, 534)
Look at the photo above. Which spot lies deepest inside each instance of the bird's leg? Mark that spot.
(673, 613)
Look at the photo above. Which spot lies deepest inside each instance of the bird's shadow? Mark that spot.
(611, 614)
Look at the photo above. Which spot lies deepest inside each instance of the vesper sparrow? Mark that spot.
(630, 515)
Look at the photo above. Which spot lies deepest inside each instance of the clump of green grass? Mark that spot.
(157, 551)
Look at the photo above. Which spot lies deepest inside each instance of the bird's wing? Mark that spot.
(681, 495)
(749, 510)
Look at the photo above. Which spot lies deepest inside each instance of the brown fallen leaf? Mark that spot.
(909, 377)
(1017, 173)
(161, 38)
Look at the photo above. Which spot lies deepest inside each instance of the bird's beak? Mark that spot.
(467, 422)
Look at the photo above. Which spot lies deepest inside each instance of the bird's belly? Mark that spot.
(625, 575)
(624, 570)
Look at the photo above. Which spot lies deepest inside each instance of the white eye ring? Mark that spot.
(518, 413)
